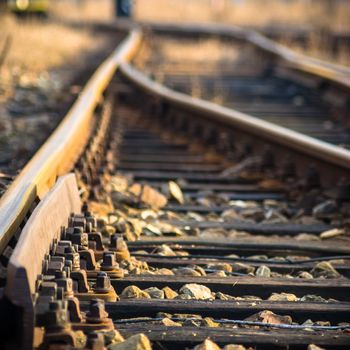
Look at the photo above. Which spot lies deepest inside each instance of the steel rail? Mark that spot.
(292, 140)
(63, 147)
(326, 70)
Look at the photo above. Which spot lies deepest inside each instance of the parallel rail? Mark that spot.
(256, 127)
(63, 148)
(59, 154)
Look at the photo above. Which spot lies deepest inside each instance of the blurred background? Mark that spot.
(326, 13)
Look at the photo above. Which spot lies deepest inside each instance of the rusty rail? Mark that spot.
(244, 122)
(329, 71)
(64, 146)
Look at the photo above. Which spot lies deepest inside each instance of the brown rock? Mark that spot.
(136, 342)
(207, 345)
(196, 291)
(186, 271)
(242, 268)
(149, 195)
(267, 316)
(175, 191)
(263, 271)
(209, 322)
(169, 323)
(155, 293)
(325, 269)
(165, 250)
(169, 293)
(314, 347)
(132, 292)
(282, 297)
(332, 233)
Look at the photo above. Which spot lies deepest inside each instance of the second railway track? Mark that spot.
(184, 221)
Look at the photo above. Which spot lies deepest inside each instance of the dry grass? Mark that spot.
(247, 12)
(83, 10)
(312, 14)
(39, 47)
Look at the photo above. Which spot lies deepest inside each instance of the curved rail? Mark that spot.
(63, 147)
(280, 135)
(329, 71)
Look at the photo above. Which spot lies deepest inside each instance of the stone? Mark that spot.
(169, 230)
(155, 293)
(307, 237)
(259, 257)
(164, 271)
(257, 214)
(209, 322)
(332, 233)
(112, 336)
(325, 210)
(196, 291)
(186, 271)
(149, 195)
(165, 250)
(263, 271)
(133, 292)
(108, 230)
(207, 345)
(230, 214)
(175, 192)
(313, 298)
(221, 266)
(325, 269)
(308, 323)
(217, 274)
(282, 297)
(268, 316)
(242, 268)
(274, 216)
(234, 347)
(152, 230)
(222, 296)
(192, 323)
(314, 347)
(169, 293)
(199, 269)
(184, 297)
(169, 323)
(119, 183)
(306, 275)
(135, 342)
(214, 233)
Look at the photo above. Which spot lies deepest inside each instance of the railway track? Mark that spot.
(246, 78)
(183, 221)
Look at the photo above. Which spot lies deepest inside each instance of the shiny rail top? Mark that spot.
(283, 136)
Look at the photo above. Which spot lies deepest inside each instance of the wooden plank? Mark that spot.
(246, 244)
(163, 262)
(262, 228)
(42, 228)
(245, 285)
(299, 311)
(193, 177)
(182, 337)
(167, 166)
(217, 187)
